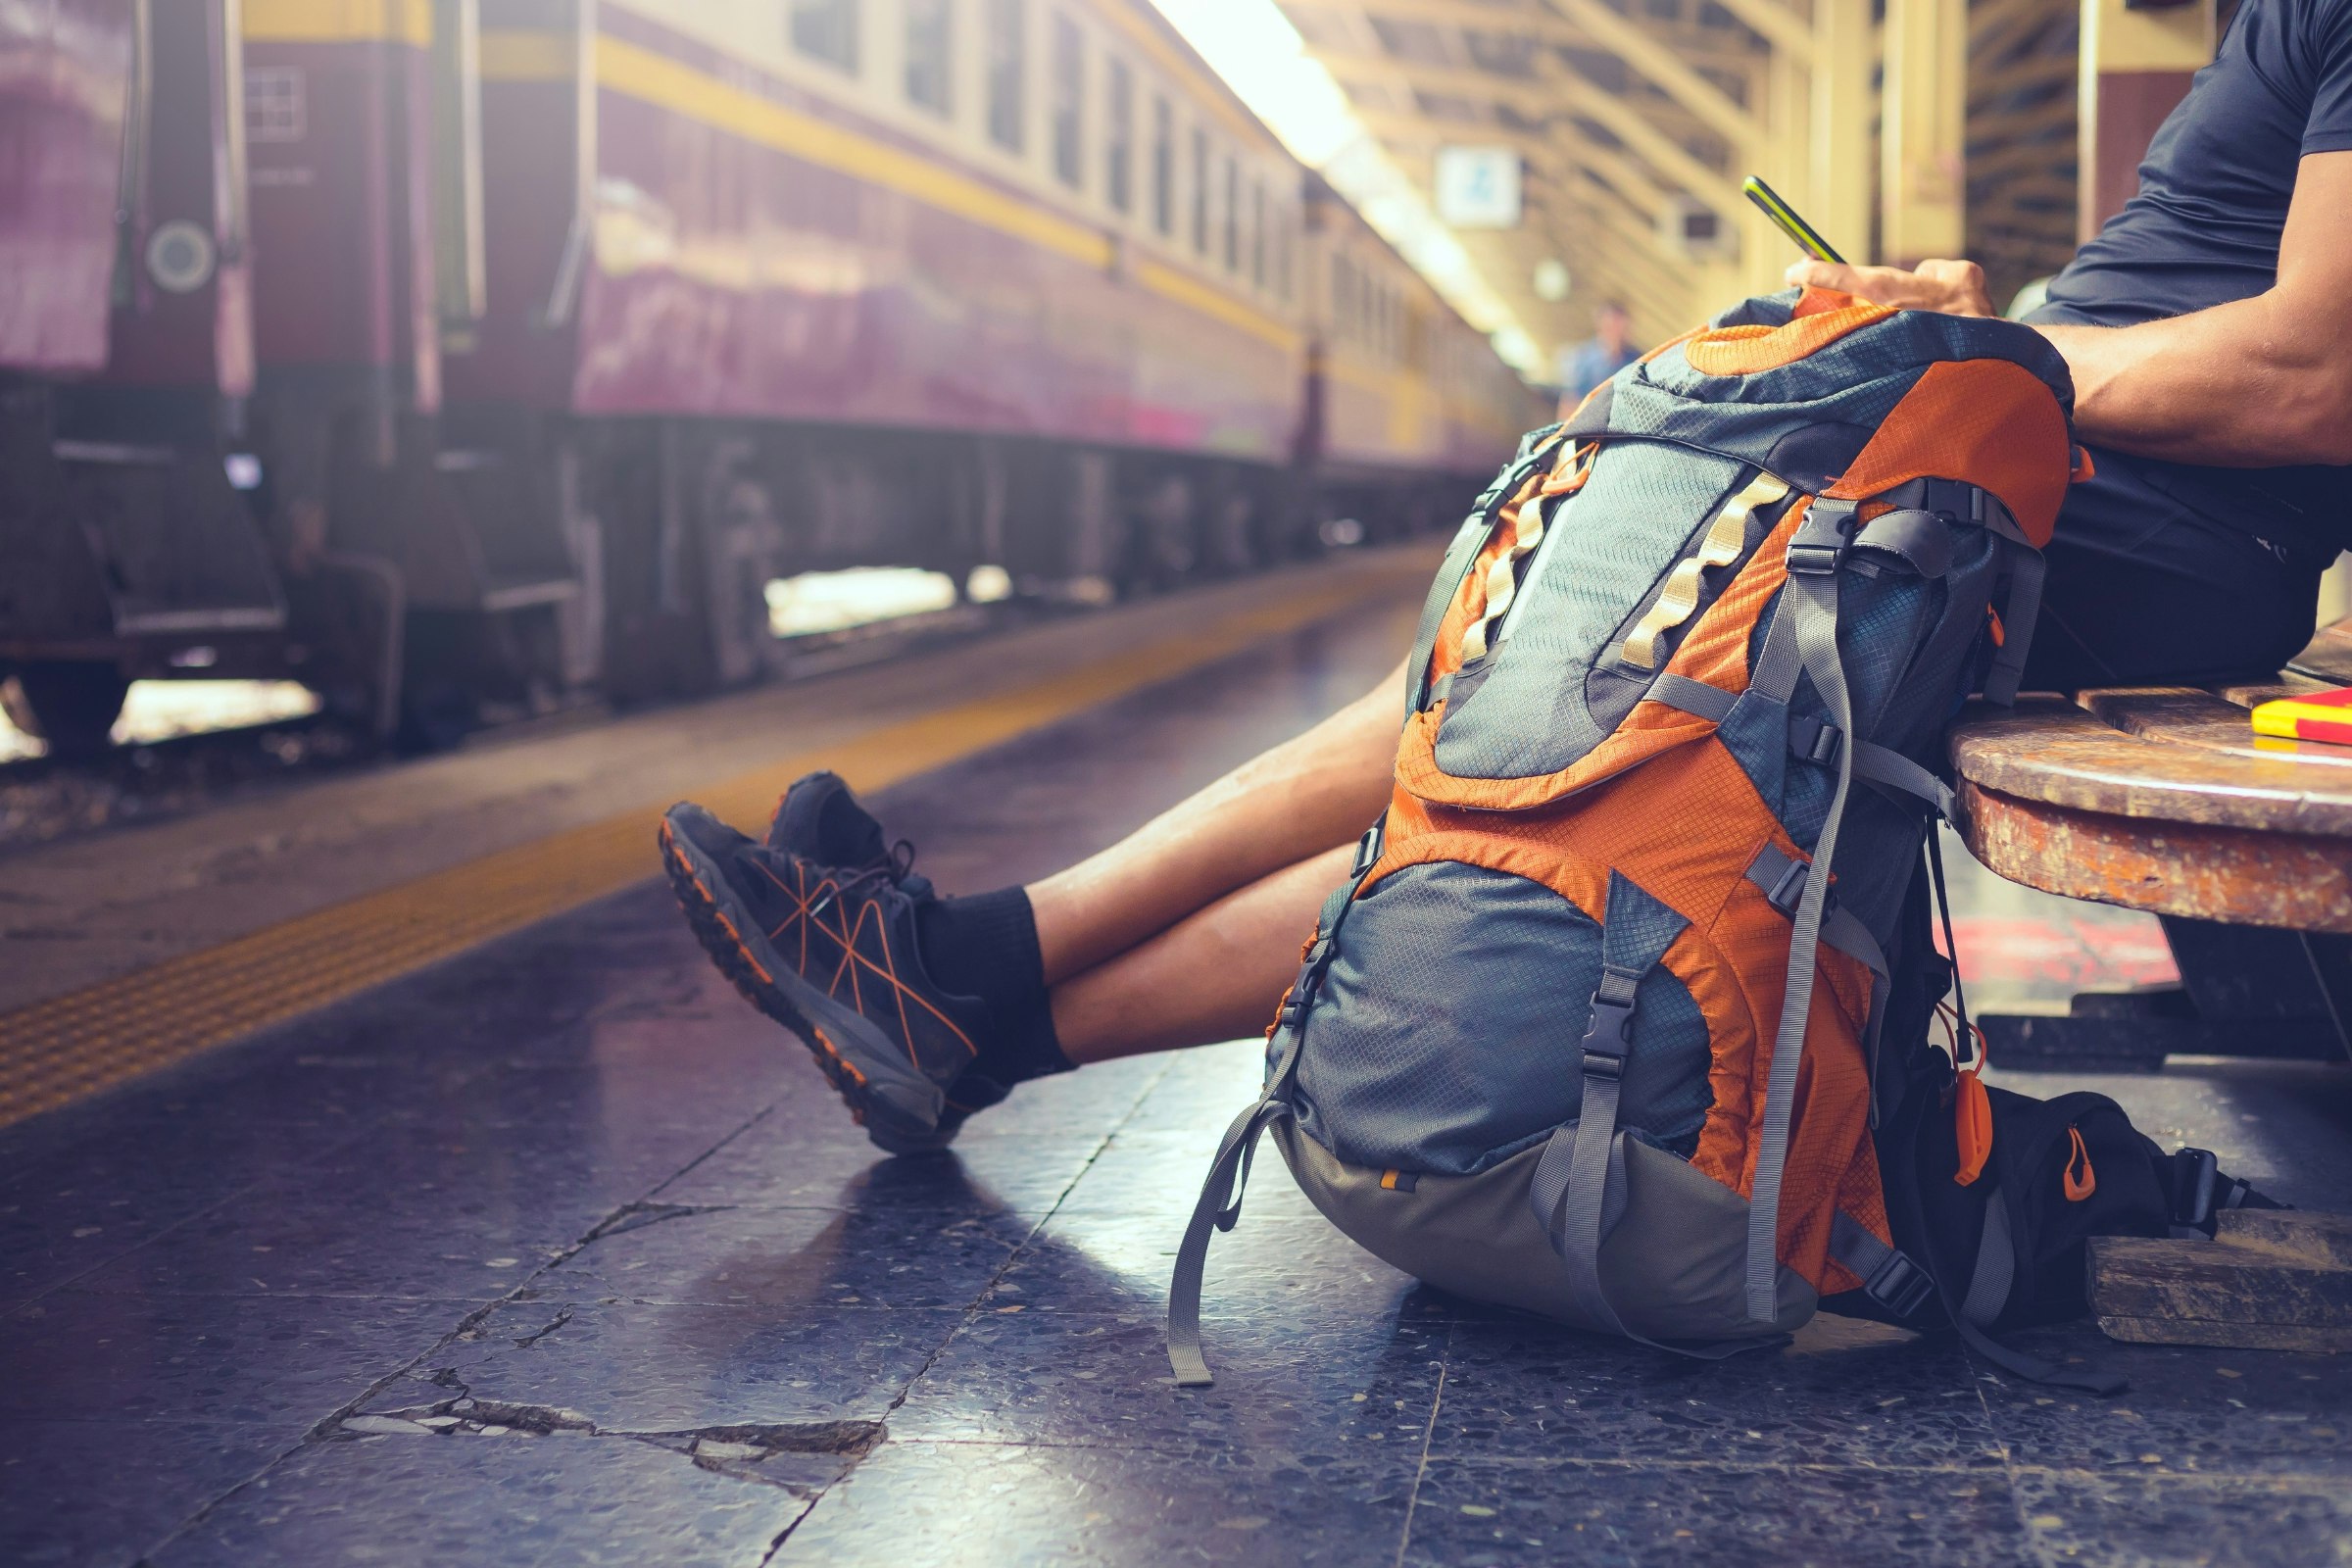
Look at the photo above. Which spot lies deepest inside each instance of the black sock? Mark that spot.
(984, 946)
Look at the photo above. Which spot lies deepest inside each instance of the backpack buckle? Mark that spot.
(1367, 851)
(1812, 740)
(1608, 1037)
(1788, 888)
(1822, 538)
(1899, 1285)
(2196, 1175)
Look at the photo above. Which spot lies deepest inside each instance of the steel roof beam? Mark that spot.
(1631, 43)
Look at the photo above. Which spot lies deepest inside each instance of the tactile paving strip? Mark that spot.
(58, 1050)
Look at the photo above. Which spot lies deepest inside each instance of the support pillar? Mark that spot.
(1785, 161)
(1838, 200)
(1923, 144)
(2137, 62)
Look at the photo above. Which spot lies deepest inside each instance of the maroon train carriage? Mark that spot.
(126, 347)
(427, 565)
(1405, 399)
(559, 329)
(952, 284)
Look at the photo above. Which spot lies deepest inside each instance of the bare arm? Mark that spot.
(2257, 382)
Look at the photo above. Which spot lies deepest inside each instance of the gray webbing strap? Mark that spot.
(1784, 880)
(1636, 930)
(1851, 1244)
(1810, 601)
(1997, 1266)
(1778, 664)
(1549, 1184)
(1229, 1171)
(1575, 1224)
(1693, 696)
(1888, 1277)
(1891, 770)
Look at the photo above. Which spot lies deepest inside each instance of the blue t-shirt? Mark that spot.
(2213, 194)
(1593, 363)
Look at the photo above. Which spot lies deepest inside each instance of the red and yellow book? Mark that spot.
(2318, 717)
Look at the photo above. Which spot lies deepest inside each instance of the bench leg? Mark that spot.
(2245, 991)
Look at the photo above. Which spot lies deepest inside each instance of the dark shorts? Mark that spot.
(2145, 589)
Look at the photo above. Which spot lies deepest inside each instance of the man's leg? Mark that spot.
(1213, 975)
(2144, 590)
(1287, 806)
(923, 1009)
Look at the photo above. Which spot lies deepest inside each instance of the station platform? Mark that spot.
(389, 1178)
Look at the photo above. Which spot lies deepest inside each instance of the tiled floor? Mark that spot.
(558, 1255)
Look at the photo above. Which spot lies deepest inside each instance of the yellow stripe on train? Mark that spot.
(682, 90)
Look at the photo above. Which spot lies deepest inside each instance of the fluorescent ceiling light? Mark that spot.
(1252, 45)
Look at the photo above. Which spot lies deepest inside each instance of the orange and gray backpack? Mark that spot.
(1604, 1023)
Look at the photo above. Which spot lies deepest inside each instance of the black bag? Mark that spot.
(2009, 1249)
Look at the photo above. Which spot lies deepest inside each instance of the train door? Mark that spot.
(131, 551)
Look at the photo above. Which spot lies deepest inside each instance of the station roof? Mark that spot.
(1627, 111)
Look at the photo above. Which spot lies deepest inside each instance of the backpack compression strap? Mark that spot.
(1229, 1172)
(1570, 1191)
(1572, 1178)
(1804, 639)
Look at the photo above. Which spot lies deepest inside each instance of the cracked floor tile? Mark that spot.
(661, 1367)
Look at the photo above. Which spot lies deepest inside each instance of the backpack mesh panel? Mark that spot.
(1446, 1036)
(1567, 618)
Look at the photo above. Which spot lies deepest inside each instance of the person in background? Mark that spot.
(1607, 351)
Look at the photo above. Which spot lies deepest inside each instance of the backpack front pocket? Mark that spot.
(1446, 1034)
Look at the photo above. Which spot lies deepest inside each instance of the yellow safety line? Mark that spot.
(55, 1051)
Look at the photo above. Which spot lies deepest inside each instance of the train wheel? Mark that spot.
(71, 705)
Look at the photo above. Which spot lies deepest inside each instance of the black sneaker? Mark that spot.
(819, 819)
(830, 953)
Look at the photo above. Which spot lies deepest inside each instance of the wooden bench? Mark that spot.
(2164, 799)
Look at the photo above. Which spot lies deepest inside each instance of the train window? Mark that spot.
(1233, 215)
(1200, 190)
(1342, 297)
(828, 30)
(273, 104)
(1069, 101)
(1008, 72)
(1118, 138)
(1164, 166)
(1257, 232)
(931, 54)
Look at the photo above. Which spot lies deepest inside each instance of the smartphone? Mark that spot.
(1784, 214)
